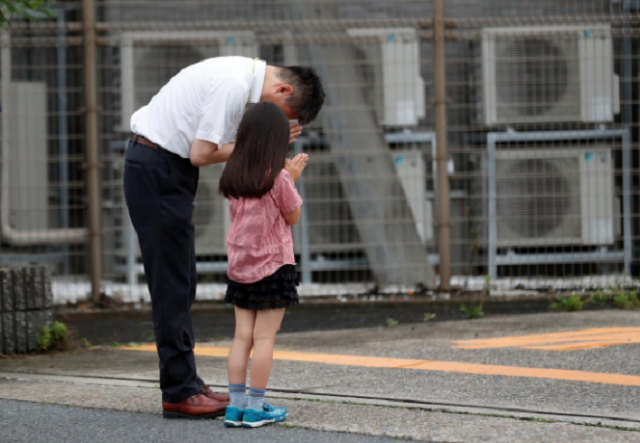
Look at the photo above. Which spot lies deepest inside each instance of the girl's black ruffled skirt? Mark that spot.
(273, 292)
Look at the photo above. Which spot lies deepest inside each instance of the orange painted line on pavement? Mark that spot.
(593, 344)
(614, 336)
(428, 365)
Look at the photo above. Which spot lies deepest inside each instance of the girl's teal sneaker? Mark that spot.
(233, 417)
(269, 414)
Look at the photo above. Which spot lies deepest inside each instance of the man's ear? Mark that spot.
(285, 89)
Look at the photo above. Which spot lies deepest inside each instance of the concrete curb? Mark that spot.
(448, 309)
(289, 394)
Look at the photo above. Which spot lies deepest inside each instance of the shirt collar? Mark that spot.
(259, 70)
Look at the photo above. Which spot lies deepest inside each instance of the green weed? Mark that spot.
(487, 285)
(600, 297)
(538, 420)
(392, 322)
(428, 316)
(289, 426)
(44, 341)
(568, 304)
(59, 331)
(627, 300)
(471, 312)
(54, 337)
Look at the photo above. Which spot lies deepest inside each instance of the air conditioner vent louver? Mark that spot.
(536, 77)
(560, 196)
(536, 199)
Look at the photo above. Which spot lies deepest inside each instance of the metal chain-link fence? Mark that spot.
(542, 109)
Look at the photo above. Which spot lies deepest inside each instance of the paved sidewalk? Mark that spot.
(443, 405)
(30, 422)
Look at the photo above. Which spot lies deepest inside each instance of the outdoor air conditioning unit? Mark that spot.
(562, 196)
(392, 68)
(149, 60)
(411, 170)
(548, 74)
(331, 225)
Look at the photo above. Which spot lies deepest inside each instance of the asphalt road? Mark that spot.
(506, 384)
(34, 423)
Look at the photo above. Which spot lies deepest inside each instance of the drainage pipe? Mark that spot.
(14, 236)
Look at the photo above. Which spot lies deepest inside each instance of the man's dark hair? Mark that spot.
(308, 95)
(259, 154)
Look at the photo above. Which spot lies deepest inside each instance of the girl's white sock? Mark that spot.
(238, 396)
(256, 399)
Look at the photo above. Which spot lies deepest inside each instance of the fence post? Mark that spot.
(442, 155)
(93, 167)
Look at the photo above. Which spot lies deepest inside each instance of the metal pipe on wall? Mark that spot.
(627, 120)
(93, 167)
(9, 234)
(63, 127)
(442, 157)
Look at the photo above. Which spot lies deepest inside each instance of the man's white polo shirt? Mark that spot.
(204, 101)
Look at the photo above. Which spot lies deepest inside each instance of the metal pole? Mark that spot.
(63, 130)
(492, 212)
(626, 200)
(627, 117)
(444, 219)
(305, 254)
(93, 167)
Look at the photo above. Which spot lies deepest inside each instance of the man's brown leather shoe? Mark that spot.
(196, 406)
(223, 398)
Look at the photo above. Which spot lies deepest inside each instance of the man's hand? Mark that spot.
(296, 130)
(205, 153)
(296, 166)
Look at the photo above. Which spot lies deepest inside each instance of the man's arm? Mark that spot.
(204, 153)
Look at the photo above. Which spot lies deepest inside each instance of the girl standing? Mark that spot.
(259, 180)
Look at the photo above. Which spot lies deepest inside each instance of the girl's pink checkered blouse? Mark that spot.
(259, 241)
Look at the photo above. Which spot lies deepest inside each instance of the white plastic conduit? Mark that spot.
(9, 234)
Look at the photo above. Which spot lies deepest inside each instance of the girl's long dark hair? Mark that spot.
(259, 154)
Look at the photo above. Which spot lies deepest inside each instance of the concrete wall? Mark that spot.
(25, 307)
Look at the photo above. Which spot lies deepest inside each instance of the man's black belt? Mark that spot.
(148, 143)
